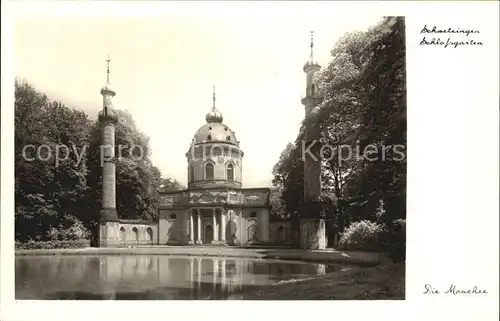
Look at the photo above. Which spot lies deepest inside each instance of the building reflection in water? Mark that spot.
(151, 277)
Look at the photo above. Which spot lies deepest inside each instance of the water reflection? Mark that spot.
(145, 277)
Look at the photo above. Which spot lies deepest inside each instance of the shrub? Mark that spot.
(361, 236)
(56, 244)
(393, 240)
(18, 244)
(72, 229)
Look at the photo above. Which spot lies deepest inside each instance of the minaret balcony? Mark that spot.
(108, 115)
(311, 66)
(311, 100)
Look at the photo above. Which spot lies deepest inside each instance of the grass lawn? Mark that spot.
(382, 282)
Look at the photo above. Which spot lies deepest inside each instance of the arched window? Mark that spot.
(313, 88)
(173, 216)
(136, 233)
(150, 234)
(230, 172)
(123, 235)
(191, 174)
(209, 172)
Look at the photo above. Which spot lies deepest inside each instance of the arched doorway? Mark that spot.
(209, 234)
(253, 235)
(304, 237)
(281, 234)
(231, 232)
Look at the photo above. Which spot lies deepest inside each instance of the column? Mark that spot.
(198, 241)
(264, 226)
(214, 218)
(223, 226)
(191, 227)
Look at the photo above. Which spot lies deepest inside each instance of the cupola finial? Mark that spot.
(214, 116)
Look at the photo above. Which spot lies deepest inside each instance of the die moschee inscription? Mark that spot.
(447, 37)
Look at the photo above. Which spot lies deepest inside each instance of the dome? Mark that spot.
(215, 132)
(214, 116)
(107, 89)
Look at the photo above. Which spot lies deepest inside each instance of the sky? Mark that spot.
(163, 67)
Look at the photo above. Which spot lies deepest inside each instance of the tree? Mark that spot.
(289, 177)
(170, 185)
(364, 104)
(277, 206)
(50, 173)
(58, 175)
(384, 118)
(363, 108)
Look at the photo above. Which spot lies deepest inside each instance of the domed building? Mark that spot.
(215, 208)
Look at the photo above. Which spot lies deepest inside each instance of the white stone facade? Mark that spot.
(214, 217)
(127, 233)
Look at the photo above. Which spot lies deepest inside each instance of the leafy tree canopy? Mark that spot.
(58, 172)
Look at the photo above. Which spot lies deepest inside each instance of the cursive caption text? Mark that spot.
(449, 38)
(454, 290)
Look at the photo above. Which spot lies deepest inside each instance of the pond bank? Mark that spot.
(317, 256)
(382, 282)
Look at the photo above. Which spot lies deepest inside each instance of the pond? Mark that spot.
(148, 277)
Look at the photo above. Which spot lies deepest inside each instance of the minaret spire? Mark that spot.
(106, 90)
(213, 97)
(312, 44)
(310, 62)
(107, 68)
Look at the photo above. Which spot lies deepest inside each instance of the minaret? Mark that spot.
(312, 226)
(108, 119)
